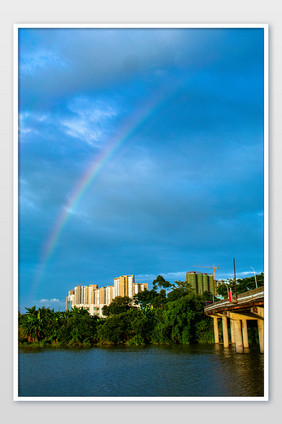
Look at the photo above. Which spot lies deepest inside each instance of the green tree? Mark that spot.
(184, 285)
(34, 324)
(118, 305)
(142, 325)
(78, 327)
(177, 321)
(222, 290)
(115, 329)
(241, 285)
(179, 289)
(207, 295)
(160, 282)
(145, 299)
(248, 283)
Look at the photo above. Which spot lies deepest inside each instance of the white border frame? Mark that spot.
(265, 27)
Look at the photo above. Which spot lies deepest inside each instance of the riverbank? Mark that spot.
(156, 318)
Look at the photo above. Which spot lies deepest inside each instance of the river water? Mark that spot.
(178, 370)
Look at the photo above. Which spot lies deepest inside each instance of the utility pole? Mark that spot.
(235, 285)
(255, 276)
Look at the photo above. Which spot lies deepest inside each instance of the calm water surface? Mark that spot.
(199, 370)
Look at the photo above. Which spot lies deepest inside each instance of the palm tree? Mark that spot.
(33, 325)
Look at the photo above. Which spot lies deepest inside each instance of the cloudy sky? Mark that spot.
(140, 152)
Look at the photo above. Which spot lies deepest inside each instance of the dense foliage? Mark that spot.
(46, 326)
(169, 313)
(241, 286)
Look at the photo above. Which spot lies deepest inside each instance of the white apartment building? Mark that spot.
(109, 294)
(94, 299)
(70, 300)
(85, 295)
(77, 295)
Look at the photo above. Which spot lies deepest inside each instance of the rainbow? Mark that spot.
(126, 131)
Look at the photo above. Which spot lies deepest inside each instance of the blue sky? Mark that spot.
(183, 185)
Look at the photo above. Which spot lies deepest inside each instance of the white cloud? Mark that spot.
(40, 59)
(242, 274)
(49, 300)
(55, 303)
(181, 275)
(171, 276)
(28, 122)
(91, 120)
(80, 128)
(92, 109)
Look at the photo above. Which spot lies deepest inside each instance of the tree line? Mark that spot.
(167, 314)
(241, 285)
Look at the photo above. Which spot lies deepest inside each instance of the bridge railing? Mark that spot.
(241, 298)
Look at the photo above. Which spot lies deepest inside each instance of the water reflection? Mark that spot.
(175, 370)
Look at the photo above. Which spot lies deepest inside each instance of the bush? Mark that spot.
(136, 340)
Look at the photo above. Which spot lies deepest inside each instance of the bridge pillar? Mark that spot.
(232, 331)
(261, 335)
(215, 327)
(238, 336)
(245, 333)
(225, 332)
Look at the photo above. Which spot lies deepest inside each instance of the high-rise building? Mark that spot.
(77, 295)
(70, 300)
(85, 295)
(143, 286)
(93, 299)
(130, 283)
(109, 294)
(91, 289)
(138, 287)
(102, 296)
(201, 282)
(135, 288)
(191, 278)
(96, 297)
(124, 285)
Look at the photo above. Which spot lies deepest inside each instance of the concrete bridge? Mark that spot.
(247, 306)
